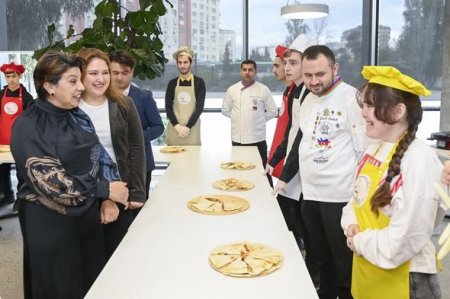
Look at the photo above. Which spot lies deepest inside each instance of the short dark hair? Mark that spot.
(289, 52)
(249, 61)
(122, 57)
(50, 68)
(311, 53)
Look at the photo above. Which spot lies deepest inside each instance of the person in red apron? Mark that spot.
(394, 209)
(184, 100)
(288, 185)
(14, 98)
(283, 117)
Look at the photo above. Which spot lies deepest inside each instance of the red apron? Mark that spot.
(11, 109)
(280, 129)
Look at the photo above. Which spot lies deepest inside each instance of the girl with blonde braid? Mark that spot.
(394, 209)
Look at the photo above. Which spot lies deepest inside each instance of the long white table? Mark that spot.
(165, 252)
(6, 158)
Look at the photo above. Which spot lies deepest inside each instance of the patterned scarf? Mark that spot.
(108, 168)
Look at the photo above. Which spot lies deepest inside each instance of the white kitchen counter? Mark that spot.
(165, 253)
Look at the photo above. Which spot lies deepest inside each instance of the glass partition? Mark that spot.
(410, 38)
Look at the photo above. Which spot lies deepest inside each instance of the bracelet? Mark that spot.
(110, 191)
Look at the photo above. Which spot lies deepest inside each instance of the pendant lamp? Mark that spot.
(304, 11)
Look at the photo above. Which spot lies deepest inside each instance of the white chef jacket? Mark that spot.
(333, 140)
(413, 213)
(249, 108)
(293, 188)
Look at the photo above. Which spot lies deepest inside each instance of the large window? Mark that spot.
(341, 31)
(410, 37)
(27, 21)
(214, 31)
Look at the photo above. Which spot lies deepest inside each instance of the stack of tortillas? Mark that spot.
(236, 165)
(245, 259)
(232, 184)
(172, 149)
(218, 204)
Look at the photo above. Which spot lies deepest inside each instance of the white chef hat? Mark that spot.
(301, 43)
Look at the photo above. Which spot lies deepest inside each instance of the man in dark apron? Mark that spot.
(14, 98)
(185, 99)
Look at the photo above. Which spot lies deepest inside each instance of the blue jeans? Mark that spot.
(424, 286)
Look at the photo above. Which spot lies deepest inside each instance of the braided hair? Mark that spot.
(385, 99)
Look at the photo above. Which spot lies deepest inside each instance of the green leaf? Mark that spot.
(98, 24)
(137, 32)
(158, 44)
(99, 8)
(74, 47)
(38, 53)
(70, 32)
(144, 4)
(107, 9)
(160, 8)
(136, 19)
(91, 39)
(50, 33)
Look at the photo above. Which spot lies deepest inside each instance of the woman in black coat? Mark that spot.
(59, 157)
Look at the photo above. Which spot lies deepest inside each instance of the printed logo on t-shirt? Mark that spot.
(323, 144)
(326, 123)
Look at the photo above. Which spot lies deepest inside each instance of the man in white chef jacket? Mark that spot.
(249, 105)
(333, 140)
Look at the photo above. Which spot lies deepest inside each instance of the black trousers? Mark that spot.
(292, 213)
(5, 180)
(328, 243)
(262, 149)
(63, 255)
(291, 210)
(148, 180)
(115, 231)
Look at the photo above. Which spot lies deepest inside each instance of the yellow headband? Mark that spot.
(392, 77)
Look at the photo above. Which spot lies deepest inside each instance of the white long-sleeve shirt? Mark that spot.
(99, 116)
(414, 213)
(249, 108)
(333, 140)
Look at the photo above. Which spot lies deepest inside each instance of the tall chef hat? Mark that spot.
(301, 43)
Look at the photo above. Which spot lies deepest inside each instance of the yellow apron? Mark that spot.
(183, 107)
(368, 280)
